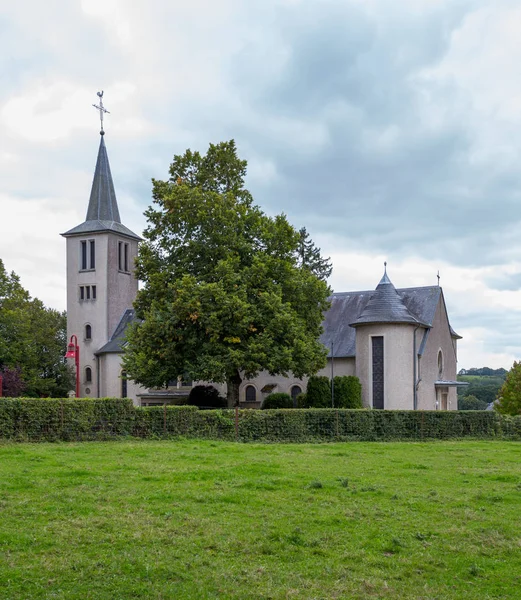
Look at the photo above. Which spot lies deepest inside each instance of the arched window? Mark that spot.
(88, 375)
(123, 384)
(251, 393)
(295, 391)
(440, 363)
(88, 332)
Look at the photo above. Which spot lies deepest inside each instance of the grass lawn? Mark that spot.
(196, 519)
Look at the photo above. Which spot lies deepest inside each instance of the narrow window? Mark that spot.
(83, 256)
(87, 289)
(126, 258)
(123, 384)
(120, 256)
(88, 332)
(94, 292)
(82, 292)
(92, 254)
(440, 363)
(88, 375)
(251, 393)
(378, 371)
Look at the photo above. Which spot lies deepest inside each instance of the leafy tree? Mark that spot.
(470, 402)
(33, 338)
(226, 294)
(310, 258)
(509, 396)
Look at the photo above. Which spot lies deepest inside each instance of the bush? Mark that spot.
(471, 403)
(206, 396)
(348, 392)
(277, 400)
(302, 400)
(318, 393)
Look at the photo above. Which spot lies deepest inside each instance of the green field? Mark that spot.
(219, 520)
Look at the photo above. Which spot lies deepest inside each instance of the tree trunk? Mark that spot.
(232, 394)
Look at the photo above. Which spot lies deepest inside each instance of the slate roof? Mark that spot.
(102, 212)
(385, 306)
(116, 342)
(347, 307)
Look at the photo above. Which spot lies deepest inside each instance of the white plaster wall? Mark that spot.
(110, 368)
(342, 366)
(115, 292)
(398, 364)
(439, 339)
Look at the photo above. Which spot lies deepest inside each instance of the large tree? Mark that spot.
(32, 340)
(227, 291)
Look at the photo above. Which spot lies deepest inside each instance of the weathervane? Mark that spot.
(102, 110)
(438, 276)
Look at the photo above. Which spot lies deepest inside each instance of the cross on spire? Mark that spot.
(102, 110)
(438, 276)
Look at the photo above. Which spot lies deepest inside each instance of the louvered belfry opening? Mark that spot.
(378, 371)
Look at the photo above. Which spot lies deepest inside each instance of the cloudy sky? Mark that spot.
(389, 129)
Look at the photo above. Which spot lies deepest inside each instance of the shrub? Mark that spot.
(302, 400)
(348, 392)
(206, 396)
(318, 393)
(471, 403)
(277, 400)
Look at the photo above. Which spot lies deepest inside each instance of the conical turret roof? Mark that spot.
(386, 306)
(103, 212)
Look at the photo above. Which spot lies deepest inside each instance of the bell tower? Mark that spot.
(101, 283)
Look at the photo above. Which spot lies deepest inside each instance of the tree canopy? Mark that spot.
(228, 291)
(509, 396)
(32, 341)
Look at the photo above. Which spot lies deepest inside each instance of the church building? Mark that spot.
(398, 342)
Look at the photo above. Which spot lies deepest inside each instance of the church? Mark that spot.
(398, 342)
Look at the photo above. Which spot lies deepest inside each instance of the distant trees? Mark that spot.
(32, 343)
(509, 396)
(483, 383)
(471, 403)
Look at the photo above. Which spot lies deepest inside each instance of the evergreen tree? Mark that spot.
(310, 257)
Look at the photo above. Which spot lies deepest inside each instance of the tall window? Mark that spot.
(123, 384)
(87, 255)
(92, 248)
(88, 375)
(123, 256)
(251, 393)
(88, 332)
(83, 258)
(378, 371)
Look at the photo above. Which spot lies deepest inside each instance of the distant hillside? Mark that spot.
(484, 384)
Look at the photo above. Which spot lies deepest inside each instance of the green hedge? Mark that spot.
(32, 419)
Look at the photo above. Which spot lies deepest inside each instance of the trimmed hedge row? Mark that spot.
(32, 419)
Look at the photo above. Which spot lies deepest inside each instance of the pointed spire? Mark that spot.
(385, 279)
(103, 205)
(385, 306)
